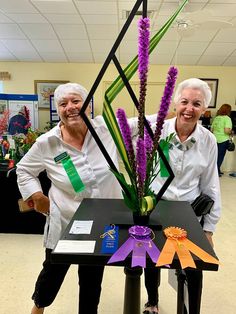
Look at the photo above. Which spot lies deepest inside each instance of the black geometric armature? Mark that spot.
(112, 57)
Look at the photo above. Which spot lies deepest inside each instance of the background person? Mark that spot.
(222, 128)
(193, 159)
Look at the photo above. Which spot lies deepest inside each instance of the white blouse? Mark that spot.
(194, 163)
(91, 166)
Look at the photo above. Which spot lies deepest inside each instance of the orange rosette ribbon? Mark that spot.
(177, 242)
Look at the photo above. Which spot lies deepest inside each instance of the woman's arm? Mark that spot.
(228, 131)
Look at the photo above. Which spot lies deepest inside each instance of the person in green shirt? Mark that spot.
(222, 128)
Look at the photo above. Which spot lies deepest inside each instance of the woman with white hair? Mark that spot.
(193, 159)
(68, 145)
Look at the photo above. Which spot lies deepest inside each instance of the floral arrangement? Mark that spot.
(142, 165)
(24, 142)
(141, 160)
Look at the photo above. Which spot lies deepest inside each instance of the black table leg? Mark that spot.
(181, 277)
(132, 290)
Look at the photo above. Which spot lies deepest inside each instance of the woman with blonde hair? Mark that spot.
(222, 129)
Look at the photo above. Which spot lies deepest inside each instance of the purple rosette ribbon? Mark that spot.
(139, 243)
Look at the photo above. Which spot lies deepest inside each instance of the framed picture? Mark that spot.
(44, 89)
(213, 84)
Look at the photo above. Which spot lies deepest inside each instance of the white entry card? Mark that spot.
(75, 246)
(81, 227)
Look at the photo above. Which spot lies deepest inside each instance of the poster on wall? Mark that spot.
(54, 117)
(44, 89)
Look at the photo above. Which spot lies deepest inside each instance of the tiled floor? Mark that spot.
(21, 257)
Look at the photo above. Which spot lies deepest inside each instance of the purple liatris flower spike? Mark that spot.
(126, 134)
(148, 140)
(141, 165)
(165, 102)
(144, 34)
(143, 57)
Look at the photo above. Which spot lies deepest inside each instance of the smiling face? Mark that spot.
(69, 110)
(190, 107)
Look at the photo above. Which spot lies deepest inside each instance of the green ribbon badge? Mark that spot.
(165, 149)
(71, 171)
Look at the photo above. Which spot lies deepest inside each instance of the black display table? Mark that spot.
(105, 212)
(12, 220)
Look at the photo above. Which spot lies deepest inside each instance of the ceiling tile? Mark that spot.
(191, 48)
(160, 59)
(226, 35)
(19, 46)
(185, 59)
(165, 47)
(11, 31)
(211, 60)
(128, 6)
(76, 45)
(56, 56)
(5, 19)
(70, 31)
(102, 31)
(220, 49)
(38, 31)
(2, 47)
(27, 18)
(19, 6)
(80, 57)
(222, 9)
(195, 35)
(99, 57)
(100, 19)
(7, 56)
(131, 33)
(131, 46)
(231, 61)
(101, 46)
(47, 45)
(223, 1)
(170, 8)
(64, 18)
(96, 7)
(28, 55)
(30, 58)
(58, 7)
(85, 30)
(172, 34)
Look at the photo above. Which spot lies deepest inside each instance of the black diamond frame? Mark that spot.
(112, 57)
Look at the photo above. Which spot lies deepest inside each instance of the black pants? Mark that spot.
(52, 275)
(194, 283)
(222, 149)
(152, 279)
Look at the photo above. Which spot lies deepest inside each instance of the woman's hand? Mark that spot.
(41, 203)
(209, 237)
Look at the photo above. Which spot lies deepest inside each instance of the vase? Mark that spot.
(141, 220)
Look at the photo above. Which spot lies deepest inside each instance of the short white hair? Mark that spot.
(194, 83)
(63, 90)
